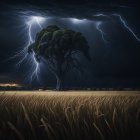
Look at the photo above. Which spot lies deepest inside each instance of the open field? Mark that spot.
(81, 115)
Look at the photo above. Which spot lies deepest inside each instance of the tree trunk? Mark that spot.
(59, 74)
(59, 82)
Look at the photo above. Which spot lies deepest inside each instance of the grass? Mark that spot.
(70, 116)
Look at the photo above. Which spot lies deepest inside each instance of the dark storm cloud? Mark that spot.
(75, 2)
(63, 9)
(112, 65)
(8, 78)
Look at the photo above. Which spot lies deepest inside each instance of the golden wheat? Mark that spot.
(69, 116)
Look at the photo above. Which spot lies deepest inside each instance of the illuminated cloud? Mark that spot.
(36, 19)
(77, 21)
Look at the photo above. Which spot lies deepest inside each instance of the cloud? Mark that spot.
(64, 10)
(7, 78)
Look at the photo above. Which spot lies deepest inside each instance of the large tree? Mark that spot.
(59, 48)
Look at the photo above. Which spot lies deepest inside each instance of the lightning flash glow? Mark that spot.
(35, 65)
(78, 21)
(98, 25)
(121, 20)
(126, 26)
(37, 21)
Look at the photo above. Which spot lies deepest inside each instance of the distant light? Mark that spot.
(77, 21)
(9, 85)
(100, 15)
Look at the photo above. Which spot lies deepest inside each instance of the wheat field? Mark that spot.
(69, 115)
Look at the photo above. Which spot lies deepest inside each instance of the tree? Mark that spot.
(59, 47)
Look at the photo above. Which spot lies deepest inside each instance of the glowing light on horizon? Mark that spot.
(9, 85)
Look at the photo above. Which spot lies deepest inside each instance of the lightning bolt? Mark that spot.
(35, 65)
(126, 26)
(36, 68)
(98, 25)
(121, 20)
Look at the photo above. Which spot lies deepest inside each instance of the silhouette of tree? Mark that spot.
(59, 48)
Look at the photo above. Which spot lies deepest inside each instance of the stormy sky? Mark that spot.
(115, 55)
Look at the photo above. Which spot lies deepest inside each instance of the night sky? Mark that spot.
(115, 58)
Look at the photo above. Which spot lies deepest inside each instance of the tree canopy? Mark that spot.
(58, 46)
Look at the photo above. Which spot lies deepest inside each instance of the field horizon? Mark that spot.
(106, 92)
